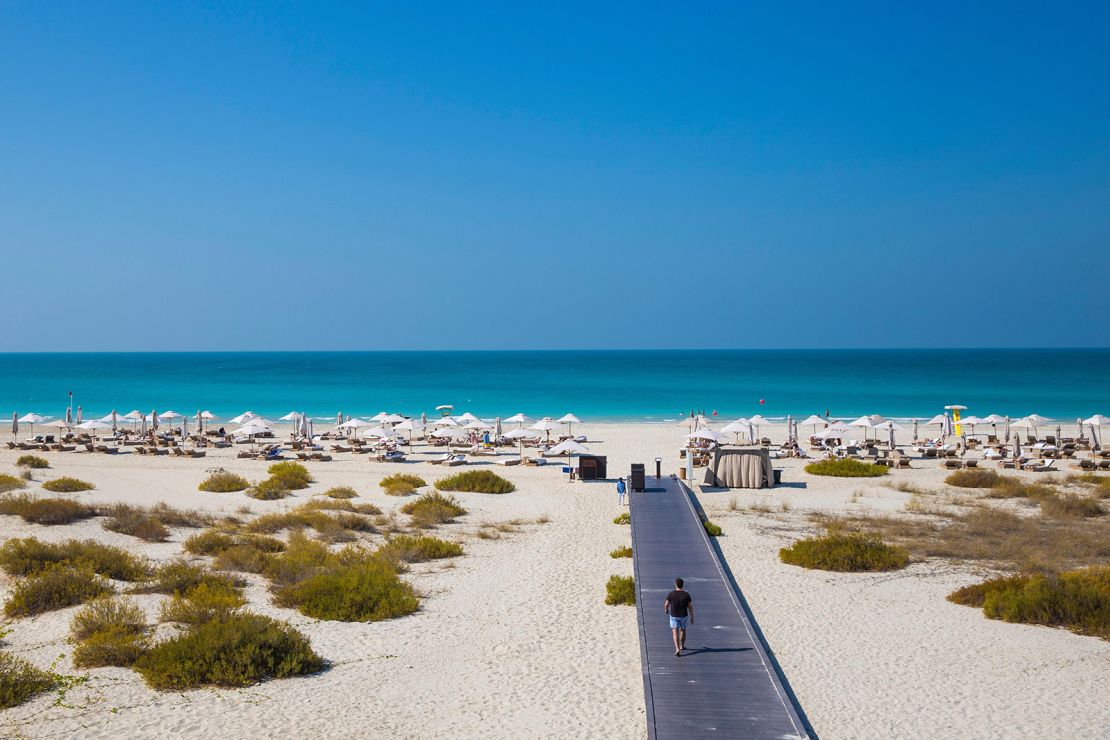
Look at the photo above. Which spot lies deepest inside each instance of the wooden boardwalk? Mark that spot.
(726, 684)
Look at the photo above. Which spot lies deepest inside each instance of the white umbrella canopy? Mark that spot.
(1098, 420)
(837, 429)
(94, 424)
(382, 432)
(446, 421)
(520, 434)
(706, 434)
(170, 415)
(57, 424)
(1038, 419)
(32, 419)
(242, 418)
(569, 419)
(380, 416)
(519, 419)
(736, 427)
(254, 426)
(447, 432)
(411, 425)
(354, 424)
(813, 419)
(291, 416)
(108, 418)
(208, 415)
(863, 421)
(466, 418)
(134, 415)
(393, 419)
(940, 419)
(569, 447)
(993, 419)
(544, 425)
(478, 424)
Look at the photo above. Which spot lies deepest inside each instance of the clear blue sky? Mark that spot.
(182, 176)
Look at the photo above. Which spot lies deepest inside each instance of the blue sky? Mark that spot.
(474, 175)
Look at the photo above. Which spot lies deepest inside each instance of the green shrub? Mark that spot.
(270, 489)
(202, 603)
(107, 613)
(27, 556)
(845, 552)
(476, 481)
(333, 528)
(1009, 486)
(239, 650)
(711, 529)
(620, 590)
(110, 647)
(418, 549)
(178, 576)
(1078, 600)
(303, 557)
(163, 513)
(433, 508)
(1071, 506)
(1101, 483)
(973, 478)
(624, 551)
(46, 511)
(56, 586)
(20, 681)
(846, 468)
(210, 542)
(363, 591)
(290, 475)
(138, 524)
(319, 504)
(402, 481)
(622, 518)
(66, 484)
(11, 483)
(341, 492)
(244, 557)
(223, 481)
(32, 461)
(399, 488)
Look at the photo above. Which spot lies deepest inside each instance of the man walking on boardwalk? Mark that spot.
(679, 607)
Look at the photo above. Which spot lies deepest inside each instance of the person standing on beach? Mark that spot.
(679, 607)
(620, 492)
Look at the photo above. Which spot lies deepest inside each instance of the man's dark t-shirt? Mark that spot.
(679, 603)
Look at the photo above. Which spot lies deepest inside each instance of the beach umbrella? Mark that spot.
(79, 414)
(1095, 438)
(423, 419)
(545, 425)
(1007, 428)
(142, 430)
(569, 447)
(758, 420)
(836, 429)
(478, 424)
(915, 429)
(291, 416)
(242, 418)
(170, 416)
(308, 429)
(519, 435)
(466, 418)
(751, 433)
(946, 429)
(153, 420)
(1057, 434)
(1098, 420)
(520, 419)
(445, 421)
(497, 428)
(15, 426)
(569, 419)
(69, 416)
(338, 418)
(705, 434)
(1017, 446)
(411, 425)
(200, 423)
(813, 419)
(93, 424)
(379, 432)
(393, 419)
(113, 421)
(32, 419)
(184, 428)
(354, 424)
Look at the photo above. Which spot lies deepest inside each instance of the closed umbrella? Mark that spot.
(1007, 428)
(1017, 446)
(69, 416)
(1098, 420)
(142, 429)
(497, 428)
(200, 423)
(15, 426)
(79, 415)
(915, 429)
(153, 420)
(184, 428)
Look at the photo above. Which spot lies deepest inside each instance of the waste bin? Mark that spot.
(778, 476)
(637, 478)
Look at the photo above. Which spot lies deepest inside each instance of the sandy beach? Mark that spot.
(513, 639)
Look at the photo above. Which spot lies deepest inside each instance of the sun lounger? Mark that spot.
(177, 452)
(454, 462)
(509, 461)
(320, 457)
(1040, 466)
(950, 463)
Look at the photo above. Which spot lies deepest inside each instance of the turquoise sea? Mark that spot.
(650, 385)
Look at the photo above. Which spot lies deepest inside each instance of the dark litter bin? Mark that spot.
(778, 476)
(637, 478)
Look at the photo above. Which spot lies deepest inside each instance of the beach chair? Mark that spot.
(177, 451)
(320, 457)
(1086, 464)
(196, 453)
(950, 463)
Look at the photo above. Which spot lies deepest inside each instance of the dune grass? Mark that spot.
(973, 478)
(620, 591)
(624, 551)
(341, 492)
(270, 489)
(846, 468)
(712, 529)
(56, 586)
(1071, 505)
(11, 483)
(47, 511)
(27, 556)
(20, 681)
(202, 603)
(419, 548)
(109, 632)
(1077, 600)
(238, 650)
(303, 557)
(32, 461)
(290, 475)
(112, 647)
(179, 576)
(222, 481)
(366, 590)
(107, 613)
(415, 481)
(623, 518)
(475, 481)
(433, 508)
(334, 521)
(846, 552)
(67, 484)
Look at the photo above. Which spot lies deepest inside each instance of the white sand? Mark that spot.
(514, 638)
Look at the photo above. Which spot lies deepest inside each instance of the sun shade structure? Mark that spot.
(569, 447)
(242, 418)
(446, 421)
(94, 424)
(706, 434)
(466, 418)
(519, 419)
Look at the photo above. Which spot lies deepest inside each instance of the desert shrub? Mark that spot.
(11, 483)
(32, 461)
(973, 478)
(622, 518)
(210, 542)
(244, 557)
(1101, 483)
(341, 492)
(620, 590)
(476, 481)
(399, 488)
(270, 489)
(846, 468)
(56, 586)
(1070, 505)
(368, 590)
(711, 529)
(138, 524)
(319, 504)
(303, 557)
(164, 513)
(401, 484)
(179, 576)
(223, 481)
(238, 650)
(333, 528)
(107, 613)
(66, 484)
(1078, 600)
(433, 508)
(290, 475)
(624, 551)
(1009, 486)
(20, 681)
(110, 647)
(201, 603)
(845, 552)
(47, 511)
(417, 549)
(27, 556)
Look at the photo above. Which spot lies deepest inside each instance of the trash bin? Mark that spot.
(682, 472)
(778, 476)
(638, 479)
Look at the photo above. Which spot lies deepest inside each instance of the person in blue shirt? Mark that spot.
(620, 492)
